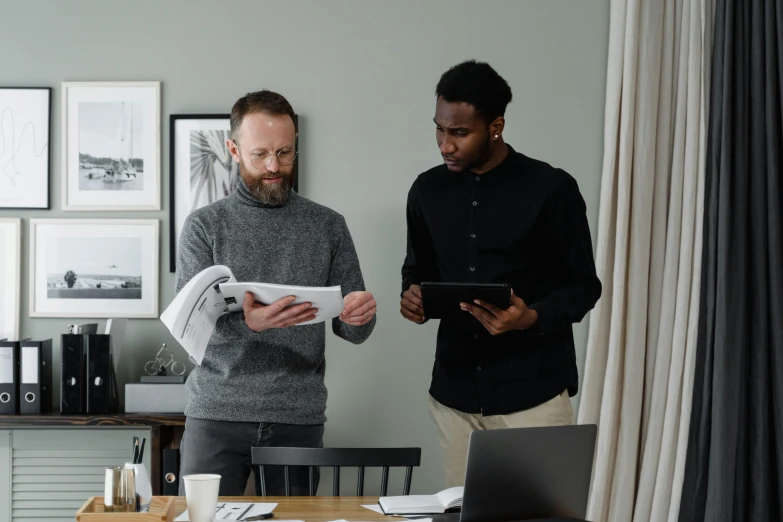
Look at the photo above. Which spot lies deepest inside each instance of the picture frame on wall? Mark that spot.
(10, 271)
(25, 154)
(111, 146)
(202, 170)
(96, 268)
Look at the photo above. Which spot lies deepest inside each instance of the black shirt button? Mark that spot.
(478, 368)
(473, 236)
(475, 336)
(478, 178)
(475, 203)
(473, 269)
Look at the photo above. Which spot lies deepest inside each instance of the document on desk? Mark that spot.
(192, 315)
(236, 510)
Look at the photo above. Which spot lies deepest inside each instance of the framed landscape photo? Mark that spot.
(111, 146)
(25, 154)
(10, 265)
(202, 170)
(94, 268)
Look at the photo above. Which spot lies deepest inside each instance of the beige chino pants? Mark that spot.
(454, 429)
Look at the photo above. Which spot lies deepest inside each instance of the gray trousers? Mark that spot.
(220, 447)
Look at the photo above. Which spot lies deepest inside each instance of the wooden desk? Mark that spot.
(311, 509)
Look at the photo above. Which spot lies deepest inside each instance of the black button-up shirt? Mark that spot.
(522, 223)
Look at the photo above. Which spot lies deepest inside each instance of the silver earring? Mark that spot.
(496, 136)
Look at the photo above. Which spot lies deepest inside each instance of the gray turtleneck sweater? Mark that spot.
(276, 375)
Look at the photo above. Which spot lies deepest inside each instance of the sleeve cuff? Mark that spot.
(545, 323)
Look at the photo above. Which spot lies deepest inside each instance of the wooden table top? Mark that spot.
(310, 509)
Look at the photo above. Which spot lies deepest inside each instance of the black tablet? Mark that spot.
(441, 300)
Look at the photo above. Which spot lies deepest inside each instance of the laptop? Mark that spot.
(527, 474)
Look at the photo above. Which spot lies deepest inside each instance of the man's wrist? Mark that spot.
(529, 319)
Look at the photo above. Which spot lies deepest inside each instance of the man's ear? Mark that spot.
(233, 149)
(497, 126)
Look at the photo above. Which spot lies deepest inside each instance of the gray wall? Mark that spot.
(361, 74)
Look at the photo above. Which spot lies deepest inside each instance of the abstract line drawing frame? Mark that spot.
(200, 138)
(25, 147)
(10, 277)
(111, 146)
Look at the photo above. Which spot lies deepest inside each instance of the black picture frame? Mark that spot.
(48, 184)
(173, 175)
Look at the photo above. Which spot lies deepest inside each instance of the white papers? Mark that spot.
(115, 329)
(422, 504)
(373, 507)
(328, 300)
(236, 510)
(192, 315)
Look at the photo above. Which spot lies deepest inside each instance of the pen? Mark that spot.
(259, 517)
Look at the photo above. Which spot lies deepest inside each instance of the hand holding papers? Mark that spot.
(192, 315)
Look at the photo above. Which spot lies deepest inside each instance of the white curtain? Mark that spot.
(638, 378)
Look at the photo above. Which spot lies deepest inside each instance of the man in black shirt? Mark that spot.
(490, 214)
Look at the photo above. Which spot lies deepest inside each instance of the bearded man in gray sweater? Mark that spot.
(261, 382)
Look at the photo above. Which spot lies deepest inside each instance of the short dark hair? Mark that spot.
(477, 84)
(265, 101)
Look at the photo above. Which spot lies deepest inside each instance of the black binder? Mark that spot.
(72, 374)
(35, 376)
(101, 384)
(9, 377)
(170, 470)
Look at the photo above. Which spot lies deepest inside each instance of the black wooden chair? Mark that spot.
(337, 458)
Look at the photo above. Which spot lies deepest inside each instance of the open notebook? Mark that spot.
(447, 500)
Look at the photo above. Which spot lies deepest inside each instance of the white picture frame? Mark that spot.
(113, 265)
(111, 146)
(25, 154)
(10, 277)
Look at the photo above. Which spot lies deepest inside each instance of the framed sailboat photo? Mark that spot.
(111, 146)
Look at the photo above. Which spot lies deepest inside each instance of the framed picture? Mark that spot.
(111, 146)
(25, 155)
(94, 268)
(10, 264)
(202, 170)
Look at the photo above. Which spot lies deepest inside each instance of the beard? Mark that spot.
(275, 194)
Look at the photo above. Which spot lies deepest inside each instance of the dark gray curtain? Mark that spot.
(734, 464)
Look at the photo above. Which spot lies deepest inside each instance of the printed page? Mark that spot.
(411, 504)
(192, 315)
(236, 510)
(451, 497)
(328, 300)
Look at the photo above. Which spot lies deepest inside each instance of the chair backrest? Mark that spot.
(337, 458)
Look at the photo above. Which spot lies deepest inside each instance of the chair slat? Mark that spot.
(360, 482)
(406, 490)
(336, 482)
(312, 481)
(287, 483)
(263, 481)
(384, 480)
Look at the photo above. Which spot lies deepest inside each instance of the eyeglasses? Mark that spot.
(285, 157)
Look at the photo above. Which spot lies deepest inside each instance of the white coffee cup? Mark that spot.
(201, 495)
